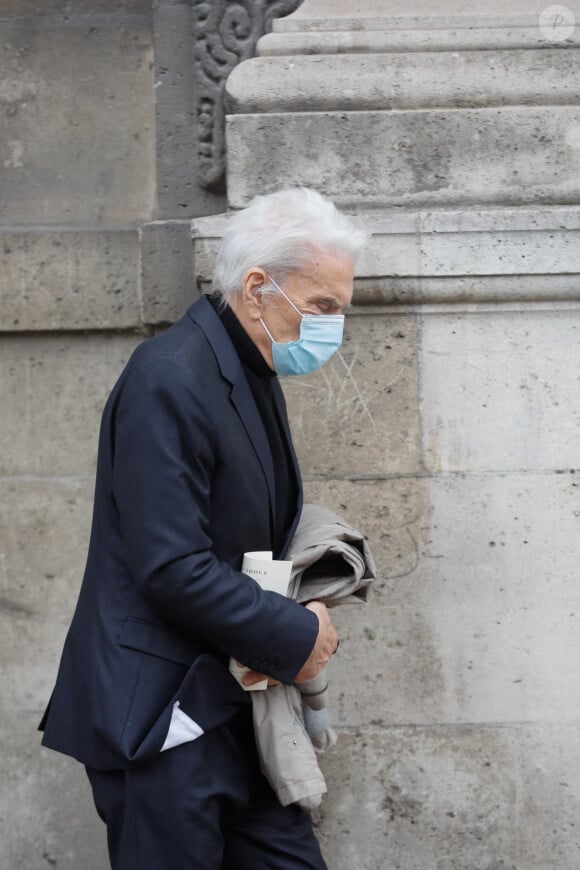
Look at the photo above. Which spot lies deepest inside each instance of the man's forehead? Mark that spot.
(325, 279)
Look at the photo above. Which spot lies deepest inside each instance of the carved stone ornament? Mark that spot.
(226, 32)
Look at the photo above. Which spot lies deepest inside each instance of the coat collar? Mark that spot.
(203, 314)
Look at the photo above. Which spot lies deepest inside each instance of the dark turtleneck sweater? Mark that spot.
(261, 380)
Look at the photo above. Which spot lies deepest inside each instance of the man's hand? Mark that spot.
(326, 644)
(253, 677)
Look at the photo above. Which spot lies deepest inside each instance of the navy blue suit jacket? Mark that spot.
(185, 485)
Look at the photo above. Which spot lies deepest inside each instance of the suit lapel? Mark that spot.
(243, 402)
(281, 408)
(231, 369)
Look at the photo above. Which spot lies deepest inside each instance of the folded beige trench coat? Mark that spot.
(331, 562)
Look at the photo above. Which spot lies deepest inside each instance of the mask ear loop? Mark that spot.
(277, 286)
(268, 333)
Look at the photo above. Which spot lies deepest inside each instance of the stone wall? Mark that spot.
(446, 427)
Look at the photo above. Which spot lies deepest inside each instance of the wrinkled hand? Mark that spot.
(255, 677)
(326, 644)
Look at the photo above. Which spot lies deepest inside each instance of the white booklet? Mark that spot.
(273, 575)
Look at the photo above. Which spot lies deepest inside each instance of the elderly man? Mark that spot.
(196, 467)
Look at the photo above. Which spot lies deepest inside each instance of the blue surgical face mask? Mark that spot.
(320, 337)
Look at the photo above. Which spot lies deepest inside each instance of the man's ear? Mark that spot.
(253, 284)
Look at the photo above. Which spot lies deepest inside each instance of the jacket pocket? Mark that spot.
(155, 640)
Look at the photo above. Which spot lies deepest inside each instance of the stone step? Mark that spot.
(416, 39)
(414, 21)
(507, 155)
(378, 14)
(428, 26)
(403, 81)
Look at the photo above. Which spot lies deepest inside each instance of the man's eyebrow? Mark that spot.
(332, 302)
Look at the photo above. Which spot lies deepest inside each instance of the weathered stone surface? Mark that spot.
(489, 241)
(207, 233)
(444, 37)
(177, 102)
(359, 414)
(375, 14)
(52, 391)
(452, 799)
(167, 271)
(69, 8)
(517, 252)
(501, 392)
(78, 134)
(399, 293)
(45, 532)
(501, 155)
(79, 279)
(45, 802)
(398, 81)
(69, 280)
(534, 218)
(48, 817)
(474, 615)
(548, 762)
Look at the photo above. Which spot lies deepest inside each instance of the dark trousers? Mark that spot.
(203, 806)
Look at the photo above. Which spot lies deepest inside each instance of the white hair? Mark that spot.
(278, 232)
